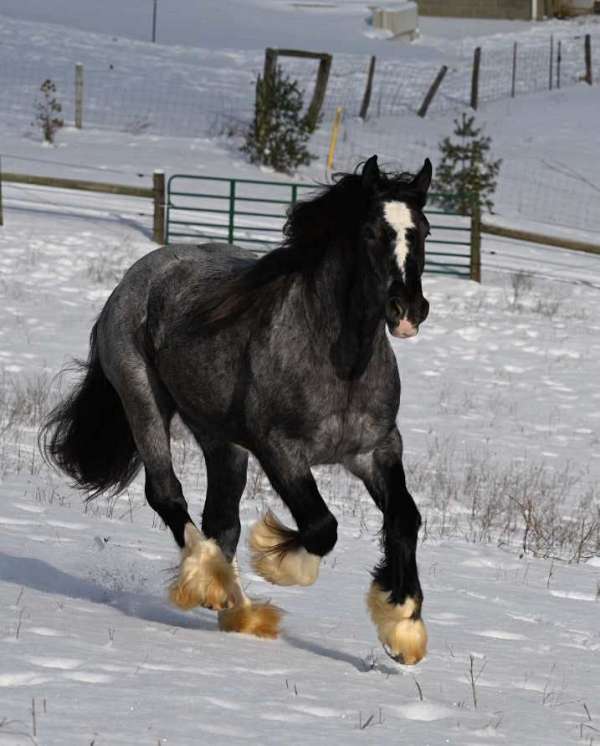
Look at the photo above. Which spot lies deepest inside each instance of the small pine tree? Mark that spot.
(466, 173)
(279, 132)
(47, 111)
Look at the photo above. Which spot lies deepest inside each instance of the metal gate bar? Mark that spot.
(190, 214)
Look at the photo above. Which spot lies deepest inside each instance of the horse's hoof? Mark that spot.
(258, 619)
(205, 577)
(277, 555)
(399, 626)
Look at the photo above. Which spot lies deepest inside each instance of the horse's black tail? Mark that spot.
(88, 436)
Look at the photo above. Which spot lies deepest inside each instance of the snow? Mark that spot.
(339, 26)
(153, 93)
(500, 386)
(85, 617)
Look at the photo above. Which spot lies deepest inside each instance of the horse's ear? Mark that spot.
(370, 173)
(422, 180)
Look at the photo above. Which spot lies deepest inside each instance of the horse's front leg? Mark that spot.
(280, 554)
(395, 597)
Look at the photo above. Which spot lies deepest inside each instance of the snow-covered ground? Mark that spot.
(181, 89)
(152, 93)
(500, 414)
(495, 385)
(339, 26)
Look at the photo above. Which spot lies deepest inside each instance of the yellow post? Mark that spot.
(337, 122)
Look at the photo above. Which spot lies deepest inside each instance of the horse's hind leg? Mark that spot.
(204, 576)
(226, 468)
(149, 410)
(207, 576)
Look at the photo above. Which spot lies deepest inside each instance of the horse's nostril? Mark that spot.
(397, 306)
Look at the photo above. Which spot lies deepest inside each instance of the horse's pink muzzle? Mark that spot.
(404, 329)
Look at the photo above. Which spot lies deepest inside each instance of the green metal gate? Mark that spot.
(252, 213)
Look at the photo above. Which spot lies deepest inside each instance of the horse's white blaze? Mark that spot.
(399, 217)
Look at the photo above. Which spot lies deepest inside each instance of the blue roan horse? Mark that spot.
(286, 357)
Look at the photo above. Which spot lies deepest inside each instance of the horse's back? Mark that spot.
(209, 258)
(198, 260)
(161, 276)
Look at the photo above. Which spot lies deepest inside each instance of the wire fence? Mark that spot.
(546, 64)
(184, 100)
(507, 68)
(531, 190)
(193, 99)
(173, 103)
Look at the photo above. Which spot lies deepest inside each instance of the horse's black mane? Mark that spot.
(336, 213)
(333, 217)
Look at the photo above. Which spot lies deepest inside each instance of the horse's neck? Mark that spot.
(349, 288)
(344, 303)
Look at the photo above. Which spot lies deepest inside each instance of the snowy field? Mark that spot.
(245, 24)
(500, 415)
(496, 386)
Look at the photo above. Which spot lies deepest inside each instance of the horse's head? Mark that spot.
(395, 236)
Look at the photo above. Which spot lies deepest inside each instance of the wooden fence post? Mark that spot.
(1, 214)
(312, 115)
(368, 90)
(325, 60)
(270, 63)
(514, 72)
(558, 61)
(154, 9)
(476, 241)
(158, 185)
(475, 79)
(78, 95)
(588, 60)
(432, 91)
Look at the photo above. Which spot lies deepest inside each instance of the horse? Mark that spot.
(286, 357)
